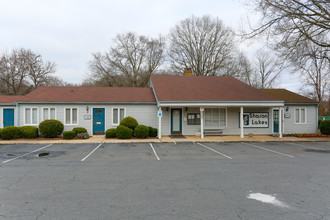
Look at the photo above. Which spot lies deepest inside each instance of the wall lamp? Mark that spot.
(186, 108)
(167, 109)
(287, 109)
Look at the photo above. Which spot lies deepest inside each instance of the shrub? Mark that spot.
(153, 132)
(29, 132)
(110, 133)
(51, 128)
(82, 135)
(0, 132)
(79, 130)
(69, 134)
(141, 131)
(129, 122)
(325, 127)
(10, 132)
(319, 123)
(123, 132)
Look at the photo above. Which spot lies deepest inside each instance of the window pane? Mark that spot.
(28, 116)
(222, 117)
(297, 116)
(52, 113)
(67, 116)
(215, 117)
(45, 114)
(74, 116)
(115, 116)
(303, 119)
(122, 114)
(34, 116)
(208, 117)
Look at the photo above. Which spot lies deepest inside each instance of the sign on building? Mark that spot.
(256, 120)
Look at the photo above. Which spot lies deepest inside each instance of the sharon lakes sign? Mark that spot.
(256, 120)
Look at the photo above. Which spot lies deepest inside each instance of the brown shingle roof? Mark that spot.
(9, 98)
(90, 94)
(199, 88)
(288, 96)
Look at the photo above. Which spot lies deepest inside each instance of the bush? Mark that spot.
(123, 132)
(82, 136)
(141, 131)
(129, 122)
(79, 130)
(29, 132)
(0, 132)
(110, 133)
(10, 132)
(51, 128)
(69, 134)
(153, 132)
(319, 123)
(325, 127)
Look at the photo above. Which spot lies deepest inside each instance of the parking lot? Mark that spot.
(271, 180)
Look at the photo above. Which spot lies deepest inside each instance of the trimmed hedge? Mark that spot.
(29, 132)
(141, 131)
(69, 134)
(123, 132)
(153, 132)
(51, 128)
(0, 132)
(10, 132)
(325, 127)
(129, 122)
(319, 123)
(110, 133)
(79, 130)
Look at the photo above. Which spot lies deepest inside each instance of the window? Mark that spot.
(194, 119)
(118, 114)
(48, 113)
(300, 115)
(215, 117)
(31, 116)
(71, 116)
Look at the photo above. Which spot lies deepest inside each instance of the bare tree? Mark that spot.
(130, 62)
(203, 44)
(21, 69)
(290, 23)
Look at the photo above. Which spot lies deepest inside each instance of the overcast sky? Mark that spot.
(67, 32)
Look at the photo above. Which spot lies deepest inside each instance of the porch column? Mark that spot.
(241, 122)
(280, 122)
(202, 124)
(159, 125)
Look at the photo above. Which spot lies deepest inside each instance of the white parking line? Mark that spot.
(91, 152)
(276, 152)
(301, 145)
(152, 147)
(214, 150)
(6, 161)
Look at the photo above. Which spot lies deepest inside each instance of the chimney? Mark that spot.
(187, 72)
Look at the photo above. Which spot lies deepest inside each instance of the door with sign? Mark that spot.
(98, 121)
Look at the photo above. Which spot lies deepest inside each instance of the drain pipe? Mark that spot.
(17, 114)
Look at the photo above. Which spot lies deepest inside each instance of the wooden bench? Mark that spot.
(213, 131)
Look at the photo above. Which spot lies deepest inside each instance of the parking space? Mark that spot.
(165, 181)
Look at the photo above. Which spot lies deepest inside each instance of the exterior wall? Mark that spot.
(144, 114)
(311, 120)
(1, 113)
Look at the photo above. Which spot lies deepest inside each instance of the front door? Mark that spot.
(176, 121)
(276, 120)
(98, 121)
(8, 117)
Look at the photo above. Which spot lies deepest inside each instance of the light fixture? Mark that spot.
(287, 109)
(186, 108)
(167, 109)
(87, 108)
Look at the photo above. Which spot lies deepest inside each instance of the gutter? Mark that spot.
(153, 90)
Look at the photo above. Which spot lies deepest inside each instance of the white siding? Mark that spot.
(311, 120)
(144, 114)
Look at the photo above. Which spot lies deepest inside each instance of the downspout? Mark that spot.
(17, 114)
(159, 135)
(317, 118)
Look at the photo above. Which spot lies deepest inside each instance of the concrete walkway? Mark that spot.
(166, 139)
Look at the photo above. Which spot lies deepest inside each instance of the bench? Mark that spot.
(213, 131)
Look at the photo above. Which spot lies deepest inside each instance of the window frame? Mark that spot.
(42, 113)
(118, 114)
(71, 108)
(195, 119)
(219, 126)
(300, 116)
(31, 115)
